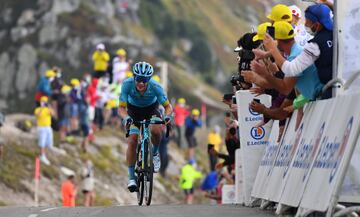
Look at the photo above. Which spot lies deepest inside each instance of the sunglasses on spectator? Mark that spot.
(142, 79)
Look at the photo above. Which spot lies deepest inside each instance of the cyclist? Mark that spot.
(140, 98)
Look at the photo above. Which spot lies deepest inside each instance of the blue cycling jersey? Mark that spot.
(153, 93)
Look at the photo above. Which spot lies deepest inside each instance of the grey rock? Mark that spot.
(7, 73)
(48, 34)
(72, 51)
(18, 33)
(104, 7)
(26, 75)
(6, 15)
(2, 34)
(26, 17)
(65, 6)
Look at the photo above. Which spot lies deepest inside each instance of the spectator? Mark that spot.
(319, 50)
(44, 87)
(88, 183)
(163, 150)
(301, 37)
(56, 86)
(307, 82)
(120, 66)
(2, 121)
(84, 115)
(280, 12)
(68, 190)
(214, 141)
(191, 123)
(99, 108)
(100, 58)
(188, 176)
(75, 97)
(92, 96)
(181, 112)
(232, 143)
(63, 111)
(45, 135)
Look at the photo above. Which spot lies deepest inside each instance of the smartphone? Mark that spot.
(256, 100)
(228, 96)
(234, 100)
(271, 31)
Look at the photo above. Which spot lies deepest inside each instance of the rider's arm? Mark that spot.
(162, 98)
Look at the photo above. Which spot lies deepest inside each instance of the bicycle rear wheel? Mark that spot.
(148, 181)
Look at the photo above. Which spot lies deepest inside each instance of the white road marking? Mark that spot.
(49, 209)
(33, 215)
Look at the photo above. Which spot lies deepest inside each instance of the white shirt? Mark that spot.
(119, 69)
(302, 37)
(308, 57)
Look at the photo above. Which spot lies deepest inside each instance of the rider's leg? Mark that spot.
(131, 155)
(156, 137)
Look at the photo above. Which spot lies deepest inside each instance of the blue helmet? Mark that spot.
(143, 69)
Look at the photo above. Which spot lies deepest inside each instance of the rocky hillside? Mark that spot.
(107, 153)
(196, 37)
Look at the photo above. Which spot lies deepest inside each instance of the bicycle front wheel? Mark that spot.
(148, 175)
(140, 178)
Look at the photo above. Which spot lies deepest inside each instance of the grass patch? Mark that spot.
(103, 201)
(2, 203)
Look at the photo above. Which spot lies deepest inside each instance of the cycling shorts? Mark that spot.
(142, 113)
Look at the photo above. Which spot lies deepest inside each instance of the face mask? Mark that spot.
(43, 104)
(51, 79)
(88, 79)
(58, 75)
(310, 31)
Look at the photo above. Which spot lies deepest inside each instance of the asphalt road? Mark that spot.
(136, 211)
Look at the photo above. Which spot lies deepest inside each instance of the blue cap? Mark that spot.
(191, 161)
(320, 13)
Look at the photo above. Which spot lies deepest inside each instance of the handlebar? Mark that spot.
(148, 122)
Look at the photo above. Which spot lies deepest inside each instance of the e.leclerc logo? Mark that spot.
(253, 113)
(257, 133)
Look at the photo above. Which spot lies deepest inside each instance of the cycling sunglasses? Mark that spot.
(142, 79)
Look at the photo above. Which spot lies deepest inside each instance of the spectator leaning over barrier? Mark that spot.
(307, 82)
(319, 50)
(100, 58)
(191, 123)
(45, 134)
(181, 112)
(214, 141)
(43, 87)
(188, 176)
(301, 37)
(68, 190)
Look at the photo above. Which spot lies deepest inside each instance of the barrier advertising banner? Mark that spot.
(336, 148)
(266, 163)
(253, 140)
(350, 192)
(239, 196)
(307, 149)
(283, 158)
(228, 194)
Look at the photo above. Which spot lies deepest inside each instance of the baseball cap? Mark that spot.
(295, 10)
(280, 12)
(261, 31)
(283, 30)
(320, 13)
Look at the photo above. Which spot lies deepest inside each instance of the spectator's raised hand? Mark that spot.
(257, 107)
(289, 109)
(260, 54)
(273, 68)
(257, 91)
(269, 43)
(259, 68)
(249, 76)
